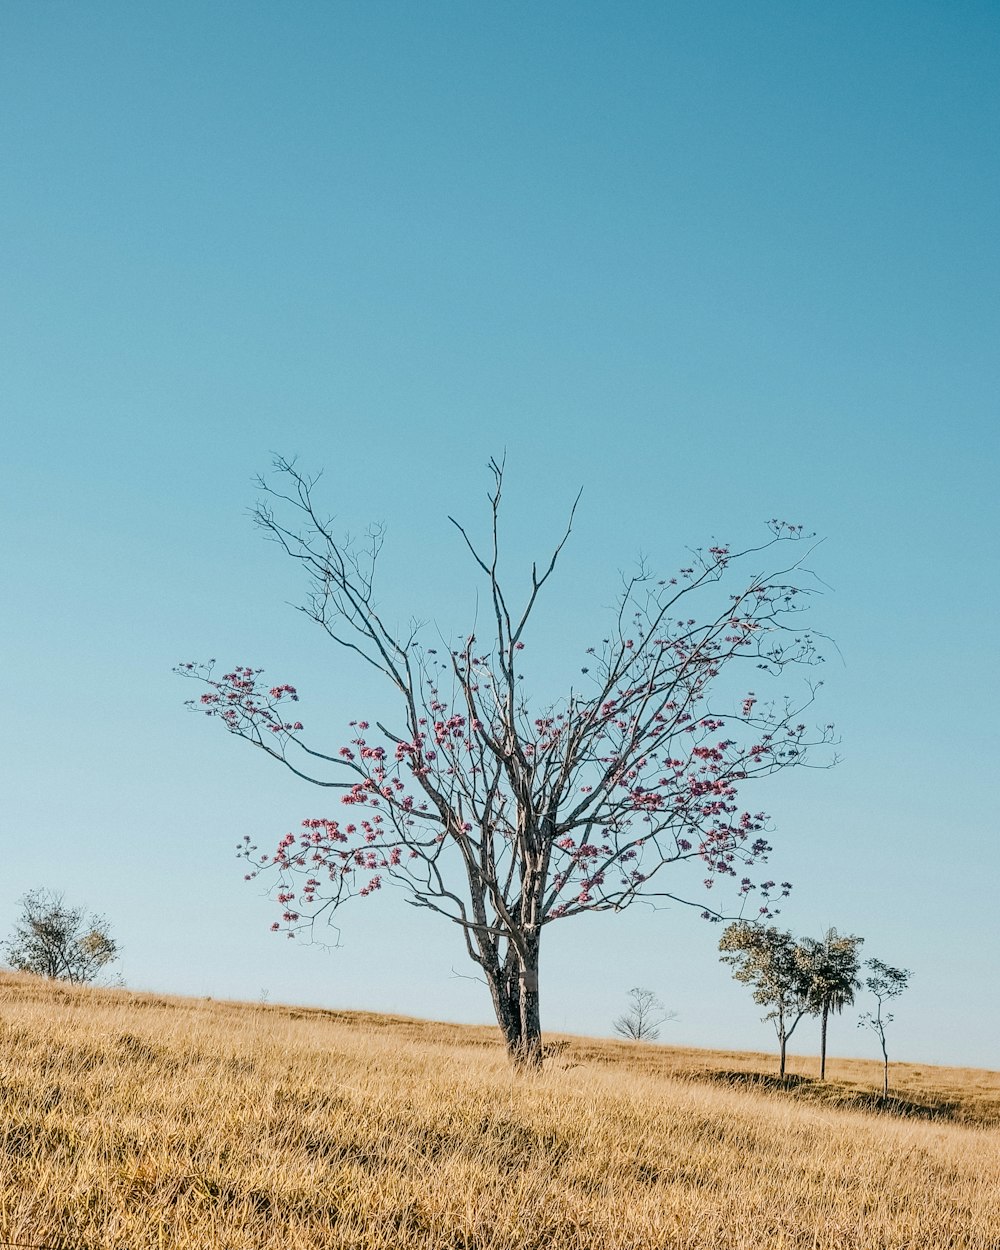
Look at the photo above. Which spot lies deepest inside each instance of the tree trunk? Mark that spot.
(822, 1042)
(504, 991)
(513, 980)
(530, 1053)
(885, 1070)
(784, 1043)
(514, 990)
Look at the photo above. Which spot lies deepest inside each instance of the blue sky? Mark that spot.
(713, 263)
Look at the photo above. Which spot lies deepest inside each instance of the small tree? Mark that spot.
(778, 968)
(57, 941)
(505, 818)
(885, 983)
(834, 961)
(641, 1022)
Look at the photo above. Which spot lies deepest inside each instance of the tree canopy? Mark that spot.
(52, 939)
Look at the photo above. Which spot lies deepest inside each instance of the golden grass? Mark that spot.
(130, 1120)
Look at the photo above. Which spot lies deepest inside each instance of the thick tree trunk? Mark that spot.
(506, 1005)
(822, 1043)
(514, 990)
(530, 1055)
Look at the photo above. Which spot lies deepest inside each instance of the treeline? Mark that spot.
(792, 977)
(795, 977)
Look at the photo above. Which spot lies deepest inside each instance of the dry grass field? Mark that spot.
(131, 1120)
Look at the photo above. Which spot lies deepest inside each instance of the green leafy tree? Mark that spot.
(835, 961)
(779, 969)
(885, 983)
(53, 940)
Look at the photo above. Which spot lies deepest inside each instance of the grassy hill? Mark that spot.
(133, 1120)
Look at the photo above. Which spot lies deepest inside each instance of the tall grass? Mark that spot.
(138, 1121)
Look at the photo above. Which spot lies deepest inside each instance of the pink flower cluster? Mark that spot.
(239, 702)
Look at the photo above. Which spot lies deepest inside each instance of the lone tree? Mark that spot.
(641, 1022)
(780, 971)
(54, 940)
(834, 960)
(505, 817)
(885, 983)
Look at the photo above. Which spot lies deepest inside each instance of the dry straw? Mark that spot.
(142, 1122)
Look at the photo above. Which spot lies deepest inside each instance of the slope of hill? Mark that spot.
(143, 1121)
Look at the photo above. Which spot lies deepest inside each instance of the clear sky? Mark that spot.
(712, 262)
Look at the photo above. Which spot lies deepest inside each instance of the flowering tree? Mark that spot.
(504, 818)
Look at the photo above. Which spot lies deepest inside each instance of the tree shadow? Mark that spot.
(893, 1105)
(833, 1094)
(756, 1080)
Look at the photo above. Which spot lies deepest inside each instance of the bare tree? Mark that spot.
(834, 960)
(780, 971)
(504, 818)
(885, 983)
(54, 940)
(641, 1022)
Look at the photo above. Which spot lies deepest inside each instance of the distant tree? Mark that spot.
(503, 816)
(54, 940)
(834, 961)
(885, 983)
(778, 968)
(641, 1022)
